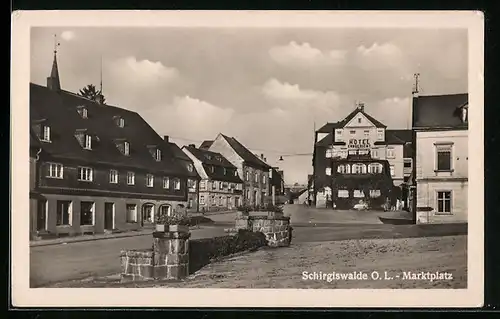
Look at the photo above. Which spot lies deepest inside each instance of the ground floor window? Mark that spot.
(202, 200)
(358, 193)
(343, 193)
(374, 193)
(131, 213)
(41, 214)
(64, 212)
(444, 202)
(147, 213)
(87, 213)
(212, 200)
(190, 203)
(165, 210)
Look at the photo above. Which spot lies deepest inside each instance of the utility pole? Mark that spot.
(416, 88)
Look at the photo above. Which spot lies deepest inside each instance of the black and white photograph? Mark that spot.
(330, 158)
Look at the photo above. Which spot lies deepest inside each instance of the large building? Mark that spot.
(440, 123)
(358, 158)
(98, 167)
(220, 187)
(251, 169)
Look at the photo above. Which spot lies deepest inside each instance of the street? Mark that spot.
(55, 263)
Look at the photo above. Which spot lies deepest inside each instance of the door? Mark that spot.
(109, 210)
(41, 217)
(237, 202)
(147, 214)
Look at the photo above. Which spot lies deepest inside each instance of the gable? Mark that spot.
(360, 120)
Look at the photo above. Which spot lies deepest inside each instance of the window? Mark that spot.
(247, 176)
(113, 176)
(64, 213)
(126, 148)
(130, 178)
(393, 172)
(120, 122)
(55, 170)
(358, 169)
(221, 202)
(131, 213)
(343, 193)
(215, 185)
(391, 153)
(166, 182)
(203, 185)
(374, 153)
(235, 173)
(338, 135)
(348, 169)
(264, 178)
(329, 153)
(338, 132)
(85, 174)
(221, 186)
(212, 200)
(87, 213)
(358, 193)
(366, 133)
(256, 177)
(407, 164)
(46, 133)
(341, 169)
(374, 193)
(359, 120)
(88, 142)
(375, 168)
(150, 180)
(328, 171)
(202, 200)
(352, 132)
(165, 210)
(212, 169)
(190, 167)
(84, 113)
(177, 184)
(191, 183)
(443, 157)
(225, 171)
(380, 135)
(444, 202)
(158, 155)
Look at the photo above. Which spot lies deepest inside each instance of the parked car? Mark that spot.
(361, 206)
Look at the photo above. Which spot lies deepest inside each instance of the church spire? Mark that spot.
(53, 82)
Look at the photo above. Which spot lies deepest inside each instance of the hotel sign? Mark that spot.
(359, 143)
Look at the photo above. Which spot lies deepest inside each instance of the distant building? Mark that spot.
(99, 168)
(358, 158)
(440, 123)
(220, 187)
(193, 177)
(251, 169)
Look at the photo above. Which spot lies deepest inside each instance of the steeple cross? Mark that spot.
(56, 44)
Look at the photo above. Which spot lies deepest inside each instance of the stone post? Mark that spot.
(171, 254)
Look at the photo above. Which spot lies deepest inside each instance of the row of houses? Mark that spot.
(423, 168)
(98, 168)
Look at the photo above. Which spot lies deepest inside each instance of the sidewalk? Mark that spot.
(66, 240)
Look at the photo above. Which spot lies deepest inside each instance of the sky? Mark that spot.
(269, 88)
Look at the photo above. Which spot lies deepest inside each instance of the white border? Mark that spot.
(22, 295)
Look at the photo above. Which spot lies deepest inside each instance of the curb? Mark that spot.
(79, 240)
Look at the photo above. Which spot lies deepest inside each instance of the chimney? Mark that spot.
(265, 159)
(100, 99)
(165, 138)
(361, 106)
(192, 145)
(262, 156)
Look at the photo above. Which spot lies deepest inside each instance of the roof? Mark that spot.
(439, 111)
(398, 136)
(351, 115)
(326, 141)
(206, 144)
(210, 158)
(179, 154)
(247, 156)
(328, 127)
(58, 109)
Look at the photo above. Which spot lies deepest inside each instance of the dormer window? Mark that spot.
(158, 155)
(126, 148)
(82, 110)
(88, 142)
(120, 122)
(46, 133)
(225, 171)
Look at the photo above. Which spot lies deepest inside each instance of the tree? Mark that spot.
(91, 93)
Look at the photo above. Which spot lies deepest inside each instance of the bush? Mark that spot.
(182, 220)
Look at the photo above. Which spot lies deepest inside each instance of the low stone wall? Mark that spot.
(169, 258)
(274, 226)
(202, 251)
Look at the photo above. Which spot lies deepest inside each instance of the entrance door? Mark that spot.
(109, 209)
(147, 214)
(41, 216)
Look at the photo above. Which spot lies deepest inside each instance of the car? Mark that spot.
(361, 206)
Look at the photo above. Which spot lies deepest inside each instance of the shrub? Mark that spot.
(182, 220)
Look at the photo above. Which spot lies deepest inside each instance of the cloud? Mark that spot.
(394, 112)
(379, 56)
(294, 54)
(143, 72)
(190, 118)
(67, 35)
